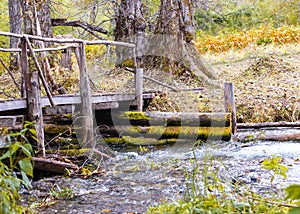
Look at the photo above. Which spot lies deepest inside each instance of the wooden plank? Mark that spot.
(10, 121)
(7, 105)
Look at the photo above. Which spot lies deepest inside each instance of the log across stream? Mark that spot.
(152, 128)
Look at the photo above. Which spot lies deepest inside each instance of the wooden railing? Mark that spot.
(30, 88)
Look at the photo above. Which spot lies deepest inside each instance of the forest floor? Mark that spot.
(266, 81)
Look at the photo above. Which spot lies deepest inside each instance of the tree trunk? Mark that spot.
(176, 19)
(175, 32)
(130, 27)
(14, 8)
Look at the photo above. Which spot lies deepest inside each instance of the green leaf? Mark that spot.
(26, 166)
(32, 131)
(25, 180)
(293, 192)
(27, 149)
(13, 184)
(294, 210)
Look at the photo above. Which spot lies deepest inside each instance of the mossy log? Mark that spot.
(64, 130)
(161, 135)
(185, 132)
(175, 119)
(69, 152)
(139, 141)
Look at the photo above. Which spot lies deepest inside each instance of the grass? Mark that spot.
(207, 192)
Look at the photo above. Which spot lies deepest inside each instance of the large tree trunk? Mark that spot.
(130, 27)
(15, 20)
(176, 19)
(176, 30)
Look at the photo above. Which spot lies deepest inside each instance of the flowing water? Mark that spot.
(137, 179)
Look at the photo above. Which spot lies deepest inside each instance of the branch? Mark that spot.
(78, 23)
(11, 74)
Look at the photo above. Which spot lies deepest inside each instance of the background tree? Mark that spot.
(130, 25)
(15, 21)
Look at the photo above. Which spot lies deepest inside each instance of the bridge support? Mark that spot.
(139, 88)
(86, 117)
(33, 95)
(230, 105)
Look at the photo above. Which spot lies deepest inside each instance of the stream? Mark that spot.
(138, 178)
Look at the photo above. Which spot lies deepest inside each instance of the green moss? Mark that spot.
(134, 116)
(139, 141)
(69, 152)
(51, 129)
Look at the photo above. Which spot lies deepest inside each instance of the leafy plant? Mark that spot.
(273, 164)
(62, 193)
(15, 161)
(293, 193)
(205, 193)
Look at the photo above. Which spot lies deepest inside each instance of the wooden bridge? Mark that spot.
(32, 104)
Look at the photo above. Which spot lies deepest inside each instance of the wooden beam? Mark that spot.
(87, 130)
(41, 75)
(230, 104)
(34, 109)
(8, 105)
(72, 40)
(38, 49)
(11, 121)
(139, 88)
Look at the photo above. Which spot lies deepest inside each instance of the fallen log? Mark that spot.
(248, 137)
(267, 125)
(54, 166)
(139, 141)
(174, 119)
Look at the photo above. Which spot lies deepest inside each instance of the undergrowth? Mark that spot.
(15, 170)
(207, 192)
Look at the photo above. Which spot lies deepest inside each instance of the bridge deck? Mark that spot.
(7, 105)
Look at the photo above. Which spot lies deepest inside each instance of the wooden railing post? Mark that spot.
(139, 88)
(87, 134)
(230, 104)
(33, 95)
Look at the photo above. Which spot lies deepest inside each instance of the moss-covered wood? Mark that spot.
(128, 140)
(174, 119)
(184, 132)
(54, 130)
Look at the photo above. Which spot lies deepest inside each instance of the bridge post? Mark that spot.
(230, 105)
(33, 97)
(86, 129)
(139, 88)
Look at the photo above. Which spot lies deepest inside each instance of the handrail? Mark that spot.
(71, 40)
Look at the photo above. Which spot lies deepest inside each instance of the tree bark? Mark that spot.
(176, 18)
(15, 20)
(130, 27)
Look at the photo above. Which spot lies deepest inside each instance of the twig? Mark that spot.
(273, 202)
(10, 74)
(40, 72)
(153, 80)
(7, 95)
